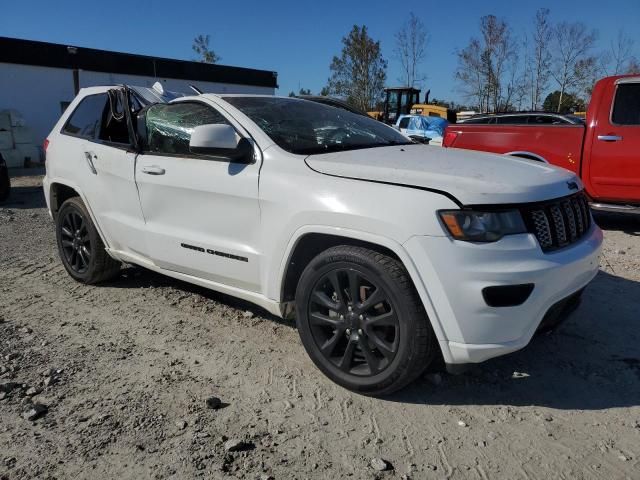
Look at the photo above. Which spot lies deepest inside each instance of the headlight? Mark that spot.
(473, 226)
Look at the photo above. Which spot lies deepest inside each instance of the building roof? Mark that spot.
(30, 52)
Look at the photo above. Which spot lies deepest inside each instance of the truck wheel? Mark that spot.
(80, 246)
(361, 321)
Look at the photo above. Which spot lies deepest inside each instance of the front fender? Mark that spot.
(388, 243)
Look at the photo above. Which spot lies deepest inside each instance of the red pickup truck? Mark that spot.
(604, 151)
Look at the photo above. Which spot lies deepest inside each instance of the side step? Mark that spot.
(612, 207)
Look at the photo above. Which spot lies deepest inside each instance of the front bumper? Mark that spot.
(454, 273)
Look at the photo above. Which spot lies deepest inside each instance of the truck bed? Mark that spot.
(559, 145)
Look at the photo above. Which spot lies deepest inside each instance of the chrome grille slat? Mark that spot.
(558, 223)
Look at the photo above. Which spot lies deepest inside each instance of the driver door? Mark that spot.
(202, 213)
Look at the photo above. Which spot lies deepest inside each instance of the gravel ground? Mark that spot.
(117, 381)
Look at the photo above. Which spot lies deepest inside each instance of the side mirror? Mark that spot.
(219, 140)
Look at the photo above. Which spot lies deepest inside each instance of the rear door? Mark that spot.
(614, 162)
(105, 170)
(202, 213)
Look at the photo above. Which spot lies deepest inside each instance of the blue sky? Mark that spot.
(295, 39)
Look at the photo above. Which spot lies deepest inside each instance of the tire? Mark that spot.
(374, 338)
(80, 246)
(5, 184)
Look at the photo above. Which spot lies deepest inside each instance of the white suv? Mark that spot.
(390, 254)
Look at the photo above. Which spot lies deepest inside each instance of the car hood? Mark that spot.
(473, 178)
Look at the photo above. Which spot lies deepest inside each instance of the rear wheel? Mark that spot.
(80, 246)
(362, 322)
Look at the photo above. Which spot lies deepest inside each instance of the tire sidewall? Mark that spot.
(317, 269)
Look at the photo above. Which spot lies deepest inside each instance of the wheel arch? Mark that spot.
(528, 156)
(310, 241)
(60, 191)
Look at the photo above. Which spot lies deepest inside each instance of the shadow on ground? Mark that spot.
(138, 277)
(627, 223)
(590, 362)
(22, 197)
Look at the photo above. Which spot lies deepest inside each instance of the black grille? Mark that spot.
(558, 223)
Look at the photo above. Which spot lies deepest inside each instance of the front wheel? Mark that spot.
(80, 246)
(361, 321)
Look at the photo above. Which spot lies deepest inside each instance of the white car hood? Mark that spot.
(473, 178)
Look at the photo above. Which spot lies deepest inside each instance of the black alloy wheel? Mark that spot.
(76, 243)
(361, 320)
(79, 245)
(353, 322)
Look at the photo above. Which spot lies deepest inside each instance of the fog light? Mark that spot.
(507, 295)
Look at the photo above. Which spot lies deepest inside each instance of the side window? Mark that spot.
(404, 123)
(513, 120)
(544, 120)
(626, 106)
(169, 127)
(85, 119)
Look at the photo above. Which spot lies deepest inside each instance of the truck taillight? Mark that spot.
(449, 139)
(45, 144)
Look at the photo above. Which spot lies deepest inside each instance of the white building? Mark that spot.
(40, 79)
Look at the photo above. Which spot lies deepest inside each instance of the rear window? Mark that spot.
(626, 107)
(85, 119)
(404, 123)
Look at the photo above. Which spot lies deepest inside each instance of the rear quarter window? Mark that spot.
(85, 120)
(626, 106)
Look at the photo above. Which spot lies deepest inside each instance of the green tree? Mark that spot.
(570, 103)
(359, 73)
(201, 47)
(302, 91)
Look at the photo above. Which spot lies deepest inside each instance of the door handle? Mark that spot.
(609, 138)
(153, 170)
(89, 157)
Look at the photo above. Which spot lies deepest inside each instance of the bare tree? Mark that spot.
(411, 45)
(470, 76)
(619, 56)
(541, 64)
(201, 47)
(486, 66)
(572, 43)
(360, 71)
(634, 66)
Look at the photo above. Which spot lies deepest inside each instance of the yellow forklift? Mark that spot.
(406, 100)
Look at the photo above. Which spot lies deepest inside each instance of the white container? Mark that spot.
(22, 135)
(6, 140)
(13, 158)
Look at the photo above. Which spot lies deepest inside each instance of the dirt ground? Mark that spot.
(125, 370)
